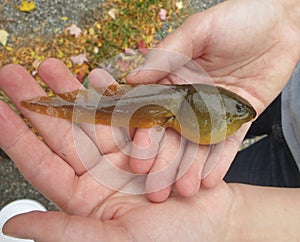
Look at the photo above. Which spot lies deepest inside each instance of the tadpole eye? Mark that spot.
(240, 108)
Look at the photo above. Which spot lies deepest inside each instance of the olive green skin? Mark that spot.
(219, 113)
(203, 114)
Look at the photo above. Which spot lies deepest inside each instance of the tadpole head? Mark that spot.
(244, 111)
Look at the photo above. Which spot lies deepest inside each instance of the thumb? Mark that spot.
(177, 49)
(58, 226)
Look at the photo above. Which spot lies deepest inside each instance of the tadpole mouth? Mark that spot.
(252, 112)
(248, 114)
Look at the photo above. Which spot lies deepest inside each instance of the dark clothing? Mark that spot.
(269, 161)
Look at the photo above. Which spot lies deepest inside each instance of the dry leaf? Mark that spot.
(26, 6)
(179, 5)
(36, 64)
(9, 48)
(129, 51)
(74, 30)
(112, 13)
(96, 50)
(142, 46)
(162, 14)
(92, 31)
(79, 59)
(3, 37)
(64, 18)
(123, 65)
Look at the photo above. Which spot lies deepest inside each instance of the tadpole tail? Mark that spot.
(51, 106)
(122, 106)
(106, 113)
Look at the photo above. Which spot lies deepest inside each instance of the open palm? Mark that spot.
(65, 168)
(250, 48)
(243, 46)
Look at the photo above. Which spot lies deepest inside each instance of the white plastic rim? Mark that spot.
(15, 208)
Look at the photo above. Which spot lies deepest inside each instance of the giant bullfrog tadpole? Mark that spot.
(204, 114)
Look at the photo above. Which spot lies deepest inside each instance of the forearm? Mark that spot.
(266, 214)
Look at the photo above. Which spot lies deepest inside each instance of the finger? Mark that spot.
(59, 134)
(58, 77)
(109, 139)
(144, 149)
(39, 165)
(100, 78)
(46, 171)
(189, 174)
(158, 64)
(221, 157)
(163, 172)
(55, 74)
(57, 226)
(36, 160)
(177, 49)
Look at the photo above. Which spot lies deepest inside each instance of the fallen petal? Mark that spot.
(74, 30)
(162, 14)
(129, 51)
(79, 59)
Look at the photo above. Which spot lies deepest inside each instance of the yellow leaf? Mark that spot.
(91, 31)
(59, 54)
(64, 18)
(179, 5)
(97, 25)
(9, 48)
(26, 6)
(148, 38)
(3, 37)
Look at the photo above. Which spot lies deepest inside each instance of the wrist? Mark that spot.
(215, 212)
(248, 219)
(265, 214)
(235, 222)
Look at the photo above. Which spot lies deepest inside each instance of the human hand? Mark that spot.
(64, 167)
(248, 47)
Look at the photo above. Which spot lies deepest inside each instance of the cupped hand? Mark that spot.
(70, 167)
(248, 47)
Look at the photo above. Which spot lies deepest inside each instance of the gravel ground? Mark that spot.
(48, 13)
(43, 21)
(200, 5)
(46, 17)
(13, 186)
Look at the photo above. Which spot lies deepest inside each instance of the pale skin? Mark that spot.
(244, 47)
(219, 211)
